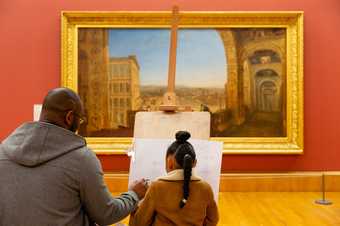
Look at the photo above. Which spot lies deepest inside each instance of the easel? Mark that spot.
(171, 117)
(169, 99)
(154, 131)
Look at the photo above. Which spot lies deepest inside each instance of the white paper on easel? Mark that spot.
(149, 160)
(36, 111)
(162, 125)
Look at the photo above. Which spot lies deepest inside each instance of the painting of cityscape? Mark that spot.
(237, 74)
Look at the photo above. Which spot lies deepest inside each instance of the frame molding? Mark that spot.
(255, 182)
(291, 20)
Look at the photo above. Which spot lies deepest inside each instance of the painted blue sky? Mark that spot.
(201, 58)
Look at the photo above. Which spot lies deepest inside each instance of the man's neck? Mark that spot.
(52, 122)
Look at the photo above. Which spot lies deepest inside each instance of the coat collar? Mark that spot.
(177, 175)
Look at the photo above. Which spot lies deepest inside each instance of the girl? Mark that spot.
(179, 198)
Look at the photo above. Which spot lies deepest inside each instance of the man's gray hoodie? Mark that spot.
(49, 177)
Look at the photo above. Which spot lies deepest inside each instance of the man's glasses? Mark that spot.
(82, 119)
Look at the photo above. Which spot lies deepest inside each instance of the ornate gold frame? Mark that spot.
(292, 21)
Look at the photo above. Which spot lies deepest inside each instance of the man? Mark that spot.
(48, 176)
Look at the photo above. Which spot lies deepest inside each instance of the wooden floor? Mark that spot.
(277, 209)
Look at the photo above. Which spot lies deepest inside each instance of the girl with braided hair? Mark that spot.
(181, 197)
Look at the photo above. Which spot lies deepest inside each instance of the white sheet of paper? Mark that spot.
(36, 111)
(149, 160)
(162, 125)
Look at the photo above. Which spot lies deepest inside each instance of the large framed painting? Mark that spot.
(245, 68)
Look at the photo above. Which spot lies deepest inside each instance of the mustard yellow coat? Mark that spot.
(160, 206)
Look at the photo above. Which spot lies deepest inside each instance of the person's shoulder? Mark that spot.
(160, 185)
(88, 152)
(2, 153)
(85, 157)
(157, 188)
(157, 183)
(160, 181)
(204, 185)
(84, 153)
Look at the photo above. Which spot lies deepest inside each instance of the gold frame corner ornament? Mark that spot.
(293, 143)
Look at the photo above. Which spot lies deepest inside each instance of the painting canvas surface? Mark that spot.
(148, 160)
(236, 74)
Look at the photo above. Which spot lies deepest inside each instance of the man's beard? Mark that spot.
(74, 126)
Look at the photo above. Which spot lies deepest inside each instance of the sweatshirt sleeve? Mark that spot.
(96, 199)
(145, 213)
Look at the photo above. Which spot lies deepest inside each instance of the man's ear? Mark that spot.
(170, 162)
(69, 117)
(194, 164)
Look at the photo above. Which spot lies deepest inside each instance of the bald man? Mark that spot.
(48, 176)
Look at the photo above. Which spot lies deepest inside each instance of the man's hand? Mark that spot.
(140, 187)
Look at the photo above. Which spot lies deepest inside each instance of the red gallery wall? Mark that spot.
(30, 66)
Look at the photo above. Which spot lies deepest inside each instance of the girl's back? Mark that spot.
(161, 204)
(179, 198)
